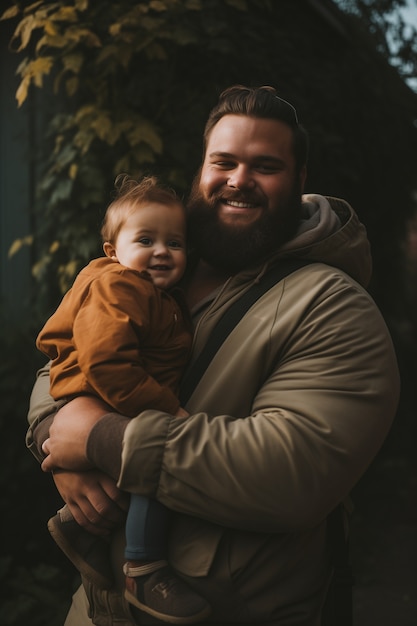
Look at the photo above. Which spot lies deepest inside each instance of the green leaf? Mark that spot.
(18, 244)
(62, 191)
(22, 91)
(10, 12)
(24, 31)
(71, 85)
(143, 132)
(73, 62)
(65, 14)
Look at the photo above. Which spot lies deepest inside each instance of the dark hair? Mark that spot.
(132, 195)
(261, 102)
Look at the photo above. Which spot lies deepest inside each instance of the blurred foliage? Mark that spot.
(126, 87)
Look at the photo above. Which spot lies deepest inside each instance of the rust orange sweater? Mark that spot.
(118, 336)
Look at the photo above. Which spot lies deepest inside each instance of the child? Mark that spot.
(120, 333)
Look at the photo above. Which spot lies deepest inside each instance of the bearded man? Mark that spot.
(286, 417)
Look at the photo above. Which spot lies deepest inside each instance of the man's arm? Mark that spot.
(92, 496)
(293, 411)
(279, 457)
(70, 434)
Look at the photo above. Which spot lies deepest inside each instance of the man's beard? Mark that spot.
(231, 247)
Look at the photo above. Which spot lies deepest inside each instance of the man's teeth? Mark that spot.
(240, 205)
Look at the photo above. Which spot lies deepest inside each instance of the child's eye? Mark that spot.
(174, 244)
(145, 241)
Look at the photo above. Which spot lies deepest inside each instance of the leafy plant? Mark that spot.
(132, 82)
(97, 59)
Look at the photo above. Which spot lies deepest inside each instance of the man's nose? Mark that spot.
(241, 178)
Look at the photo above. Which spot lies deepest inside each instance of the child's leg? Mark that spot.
(146, 530)
(89, 553)
(151, 585)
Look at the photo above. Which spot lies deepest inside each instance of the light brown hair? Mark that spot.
(130, 196)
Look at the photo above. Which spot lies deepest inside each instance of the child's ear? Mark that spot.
(110, 250)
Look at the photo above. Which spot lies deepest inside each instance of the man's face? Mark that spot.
(245, 202)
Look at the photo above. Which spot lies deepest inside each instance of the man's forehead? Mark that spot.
(242, 133)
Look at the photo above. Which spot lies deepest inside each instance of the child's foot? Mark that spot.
(89, 553)
(155, 589)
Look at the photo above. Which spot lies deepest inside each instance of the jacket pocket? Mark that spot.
(193, 545)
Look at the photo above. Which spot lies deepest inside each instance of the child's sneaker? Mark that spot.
(89, 553)
(155, 589)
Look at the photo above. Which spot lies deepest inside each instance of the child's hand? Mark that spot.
(182, 413)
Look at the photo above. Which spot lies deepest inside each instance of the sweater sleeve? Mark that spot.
(109, 331)
(104, 444)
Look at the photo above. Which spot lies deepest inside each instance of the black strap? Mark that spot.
(230, 319)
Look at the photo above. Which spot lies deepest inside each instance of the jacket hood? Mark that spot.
(330, 232)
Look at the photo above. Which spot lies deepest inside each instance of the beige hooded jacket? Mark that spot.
(286, 419)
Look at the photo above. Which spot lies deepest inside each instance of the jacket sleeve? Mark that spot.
(316, 422)
(109, 332)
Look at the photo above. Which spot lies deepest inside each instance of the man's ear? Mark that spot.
(110, 250)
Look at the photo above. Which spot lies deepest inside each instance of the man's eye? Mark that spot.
(145, 241)
(268, 169)
(224, 165)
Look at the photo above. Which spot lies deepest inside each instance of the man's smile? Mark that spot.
(241, 205)
(234, 211)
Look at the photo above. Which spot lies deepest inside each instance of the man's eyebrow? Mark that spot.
(269, 157)
(258, 157)
(227, 155)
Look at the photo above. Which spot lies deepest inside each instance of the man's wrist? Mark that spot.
(104, 444)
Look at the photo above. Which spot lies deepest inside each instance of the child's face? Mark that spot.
(153, 239)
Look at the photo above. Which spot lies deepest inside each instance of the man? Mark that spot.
(288, 414)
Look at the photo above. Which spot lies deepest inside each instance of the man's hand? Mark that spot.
(68, 435)
(93, 499)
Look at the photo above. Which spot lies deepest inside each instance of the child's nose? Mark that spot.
(161, 250)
